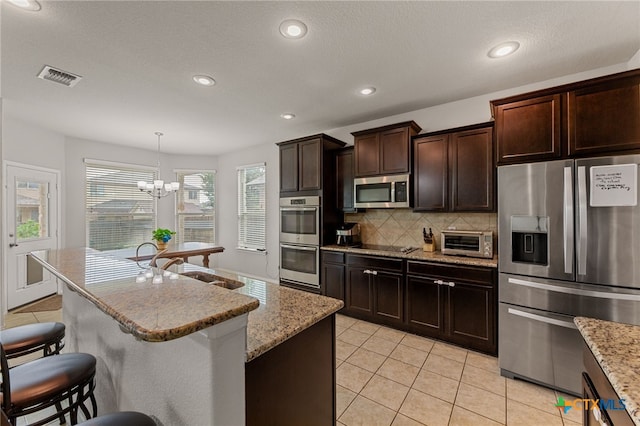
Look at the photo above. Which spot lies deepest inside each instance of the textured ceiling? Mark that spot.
(137, 59)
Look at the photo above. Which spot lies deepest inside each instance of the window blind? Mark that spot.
(251, 207)
(195, 207)
(118, 215)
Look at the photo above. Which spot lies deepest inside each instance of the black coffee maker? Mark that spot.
(348, 235)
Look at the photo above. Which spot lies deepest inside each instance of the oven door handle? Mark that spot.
(298, 209)
(299, 247)
(541, 318)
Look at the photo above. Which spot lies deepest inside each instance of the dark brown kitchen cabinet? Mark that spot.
(375, 289)
(384, 150)
(454, 170)
(344, 179)
(453, 303)
(600, 116)
(333, 274)
(302, 164)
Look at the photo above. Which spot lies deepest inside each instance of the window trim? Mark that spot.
(257, 250)
(177, 215)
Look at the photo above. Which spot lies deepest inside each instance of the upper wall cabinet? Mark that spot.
(384, 150)
(344, 180)
(593, 117)
(454, 170)
(302, 162)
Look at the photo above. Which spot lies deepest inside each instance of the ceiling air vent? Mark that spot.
(59, 76)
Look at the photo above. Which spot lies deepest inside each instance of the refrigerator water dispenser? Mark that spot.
(529, 243)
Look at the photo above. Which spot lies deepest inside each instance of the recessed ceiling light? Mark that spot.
(368, 91)
(31, 5)
(504, 49)
(292, 28)
(288, 116)
(204, 80)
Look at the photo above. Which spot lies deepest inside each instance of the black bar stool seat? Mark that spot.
(29, 338)
(124, 418)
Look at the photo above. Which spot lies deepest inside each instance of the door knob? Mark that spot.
(13, 245)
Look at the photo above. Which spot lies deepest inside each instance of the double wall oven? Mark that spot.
(300, 242)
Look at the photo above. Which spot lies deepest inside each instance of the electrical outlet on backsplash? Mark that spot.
(403, 227)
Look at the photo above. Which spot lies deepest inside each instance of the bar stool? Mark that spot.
(36, 385)
(25, 339)
(124, 418)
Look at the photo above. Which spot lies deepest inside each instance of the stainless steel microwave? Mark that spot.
(467, 243)
(382, 191)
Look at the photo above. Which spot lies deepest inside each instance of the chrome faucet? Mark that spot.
(153, 261)
(172, 261)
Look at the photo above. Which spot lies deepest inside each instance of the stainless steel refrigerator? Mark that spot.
(569, 245)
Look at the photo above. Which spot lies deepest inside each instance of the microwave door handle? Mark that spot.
(393, 192)
(568, 220)
(582, 224)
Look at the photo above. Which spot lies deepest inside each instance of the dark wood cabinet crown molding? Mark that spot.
(411, 124)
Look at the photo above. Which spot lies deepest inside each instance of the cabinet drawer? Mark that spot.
(375, 262)
(466, 273)
(332, 256)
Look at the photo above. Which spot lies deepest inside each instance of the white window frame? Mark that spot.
(183, 190)
(242, 242)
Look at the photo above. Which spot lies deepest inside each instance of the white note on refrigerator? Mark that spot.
(614, 185)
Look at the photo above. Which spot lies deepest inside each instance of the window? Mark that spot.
(118, 215)
(195, 207)
(251, 207)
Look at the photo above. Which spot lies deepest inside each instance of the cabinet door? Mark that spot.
(529, 130)
(359, 294)
(333, 280)
(310, 165)
(394, 151)
(430, 182)
(471, 315)
(344, 179)
(289, 167)
(424, 306)
(471, 170)
(367, 154)
(388, 296)
(605, 118)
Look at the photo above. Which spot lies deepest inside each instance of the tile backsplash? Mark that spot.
(403, 227)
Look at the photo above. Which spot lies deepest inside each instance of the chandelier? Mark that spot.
(158, 188)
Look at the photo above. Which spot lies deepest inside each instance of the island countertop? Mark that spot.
(616, 347)
(150, 312)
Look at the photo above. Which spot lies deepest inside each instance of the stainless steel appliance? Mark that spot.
(300, 264)
(467, 243)
(348, 235)
(382, 191)
(300, 220)
(568, 243)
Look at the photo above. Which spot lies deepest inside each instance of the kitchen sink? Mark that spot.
(213, 279)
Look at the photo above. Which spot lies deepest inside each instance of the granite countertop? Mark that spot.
(616, 347)
(418, 254)
(150, 312)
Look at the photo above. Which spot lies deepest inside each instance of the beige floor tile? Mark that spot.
(417, 342)
(385, 392)
(379, 346)
(519, 414)
(353, 336)
(462, 417)
(571, 415)
(398, 371)
(340, 330)
(366, 359)
(413, 356)
(481, 402)
(484, 379)
(339, 362)
(344, 350)
(365, 327)
(532, 395)
(352, 377)
(46, 316)
(402, 420)
(444, 366)
(570, 423)
(14, 320)
(449, 351)
(363, 412)
(344, 321)
(344, 397)
(436, 385)
(426, 409)
(486, 362)
(390, 334)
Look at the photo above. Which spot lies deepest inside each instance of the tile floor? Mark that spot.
(388, 377)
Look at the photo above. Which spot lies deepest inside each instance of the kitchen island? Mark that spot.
(177, 349)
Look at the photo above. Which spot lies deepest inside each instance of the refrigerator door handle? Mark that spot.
(568, 220)
(582, 218)
(577, 291)
(541, 318)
